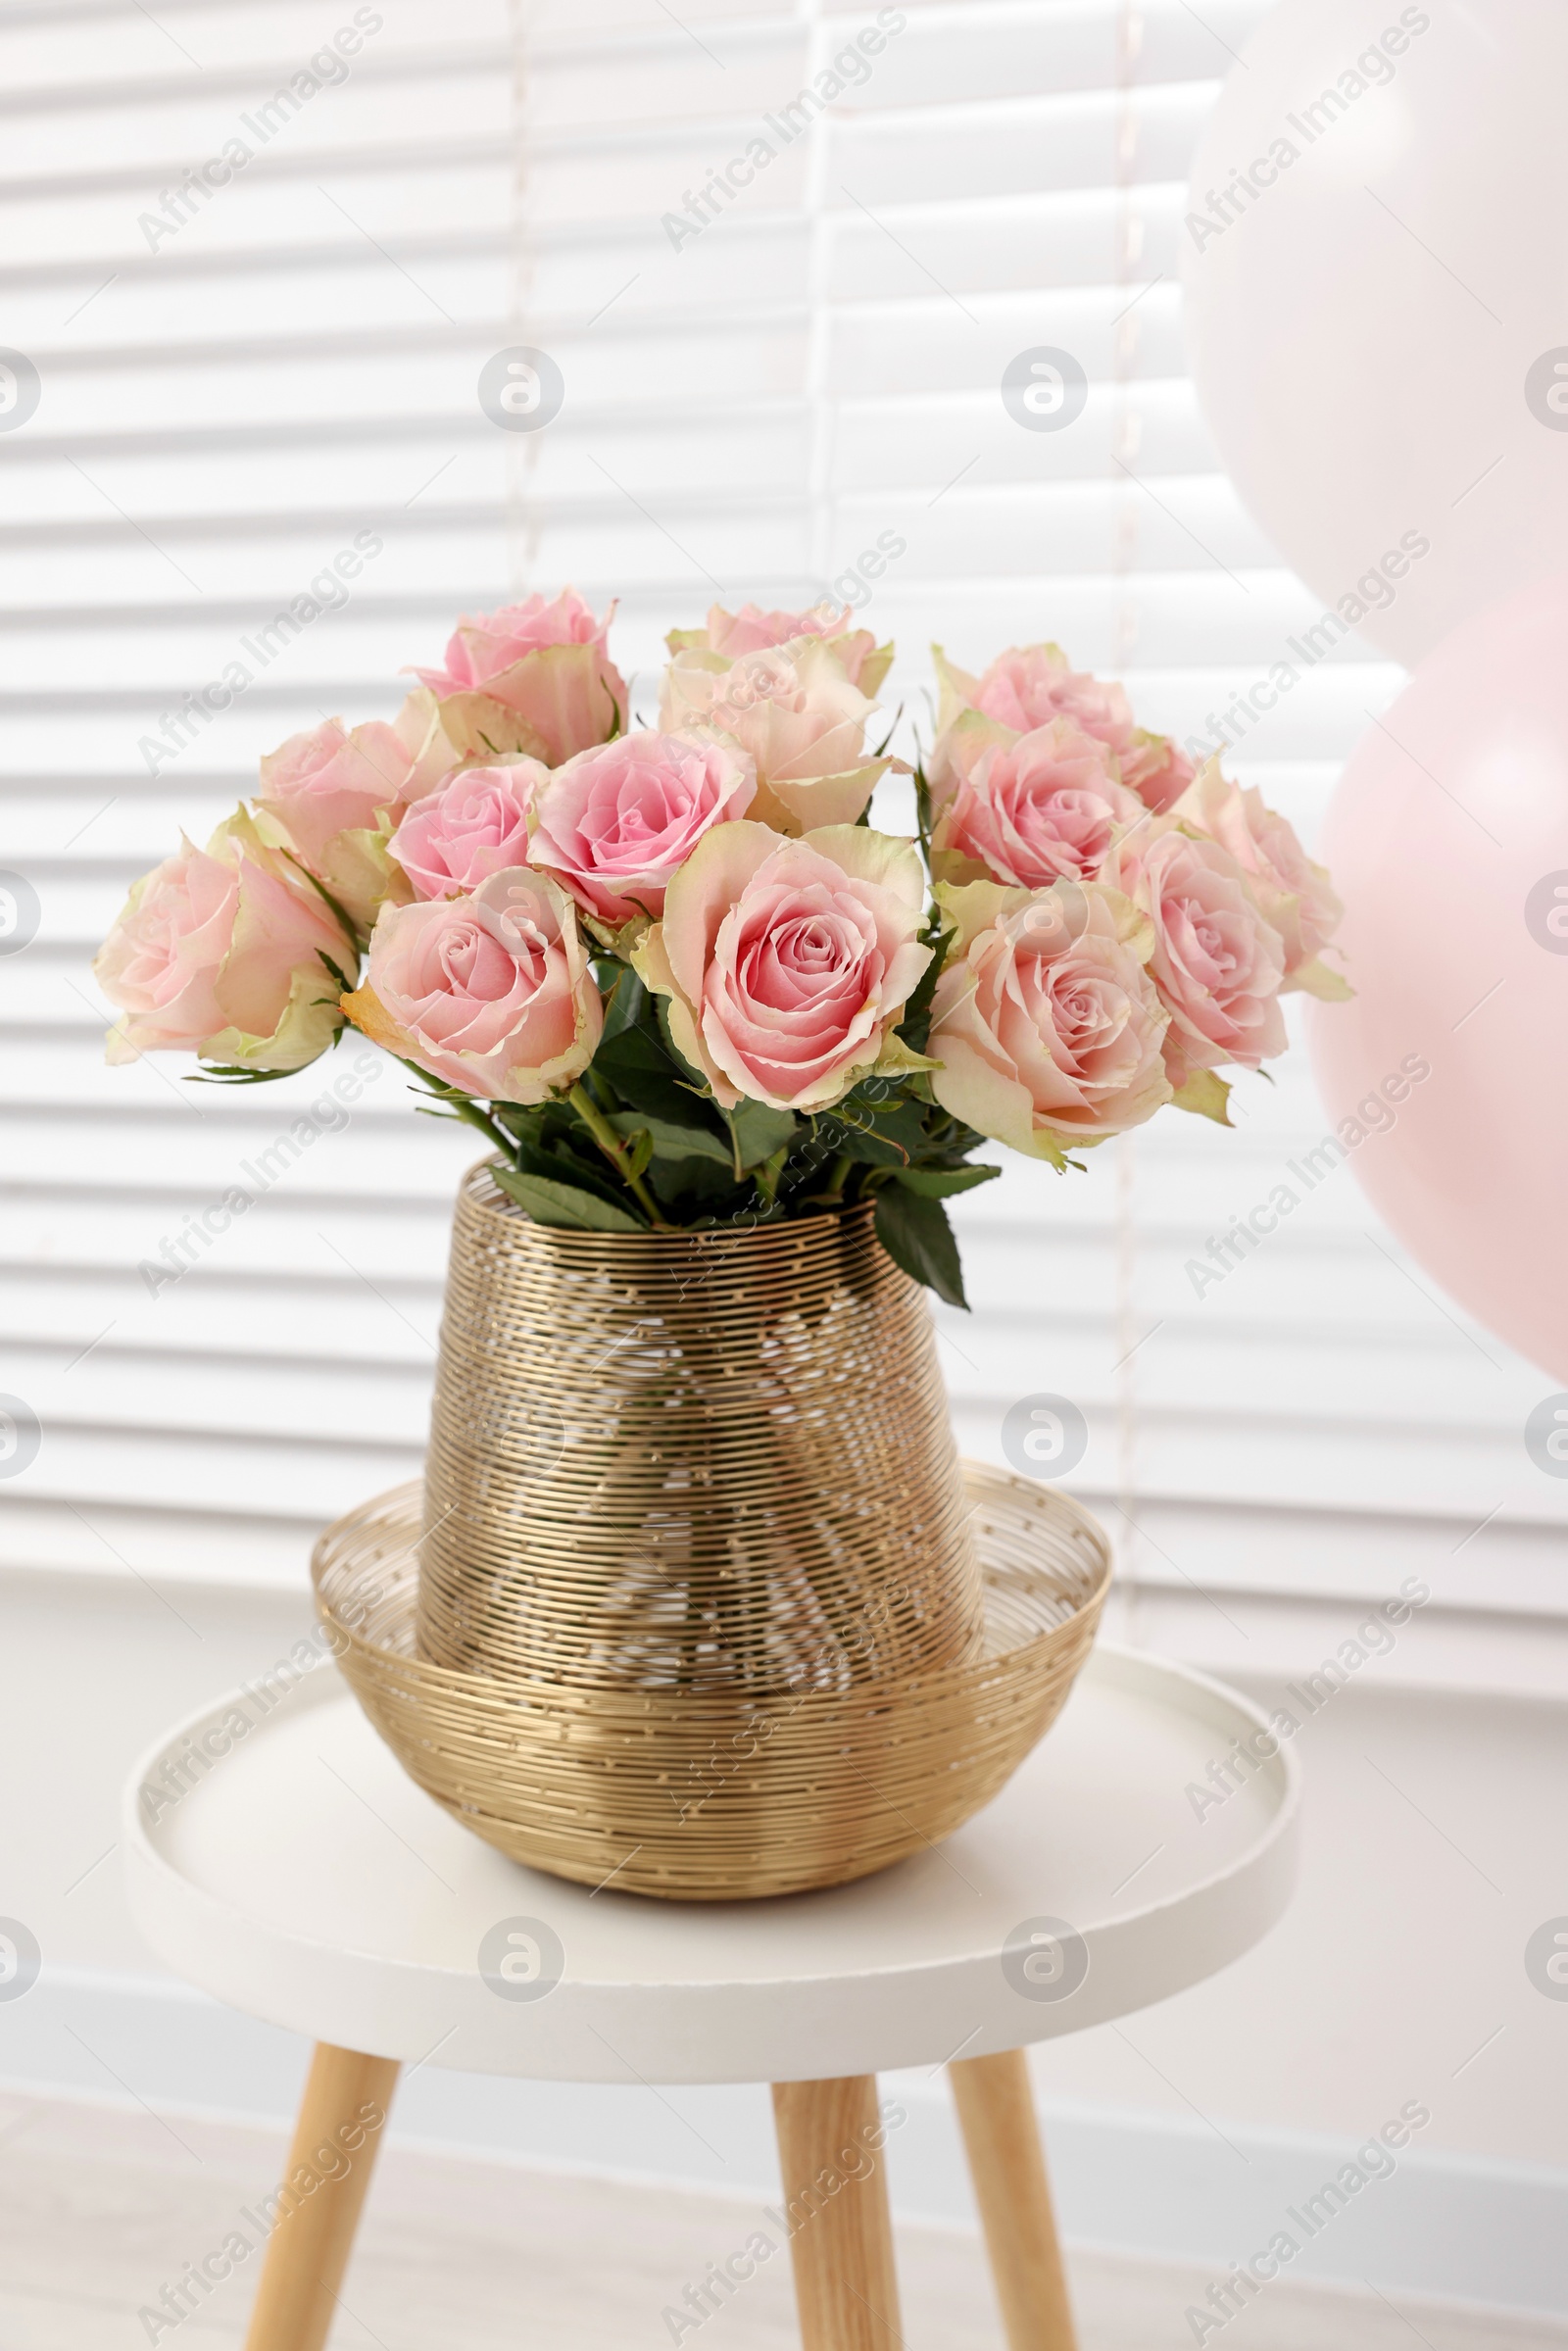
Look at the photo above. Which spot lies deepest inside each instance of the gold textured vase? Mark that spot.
(709, 1462)
(698, 1597)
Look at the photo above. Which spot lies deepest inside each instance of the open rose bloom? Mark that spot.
(490, 993)
(1218, 961)
(535, 677)
(1029, 686)
(787, 963)
(1045, 1023)
(228, 953)
(1296, 897)
(672, 972)
(1029, 809)
(473, 824)
(730, 635)
(616, 826)
(335, 796)
(796, 711)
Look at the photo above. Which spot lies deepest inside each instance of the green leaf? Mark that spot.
(532, 1126)
(562, 1164)
(951, 1139)
(667, 1141)
(760, 1132)
(940, 1183)
(689, 1190)
(549, 1140)
(916, 1026)
(1207, 1095)
(882, 1134)
(917, 1236)
(638, 1067)
(630, 1006)
(563, 1204)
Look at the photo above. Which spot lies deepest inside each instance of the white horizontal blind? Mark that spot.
(238, 385)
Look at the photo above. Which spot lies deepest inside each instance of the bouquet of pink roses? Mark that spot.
(674, 976)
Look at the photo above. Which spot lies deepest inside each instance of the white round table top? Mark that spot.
(303, 1878)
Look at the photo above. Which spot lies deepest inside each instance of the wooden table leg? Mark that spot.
(836, 2208)
(997, 2110)
(317, 2203)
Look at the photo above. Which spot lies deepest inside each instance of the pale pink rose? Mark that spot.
(788, 964)
(1297, 895)
(224, 951)
(1046, 1024)
(535, 677)
(752, 630)
(492, 992)
(337, 793)
(475, 823)
(614, 825)
(1028, 686)
(795, 711)
(1217, 962)
(1030, 810)
(1156, 771)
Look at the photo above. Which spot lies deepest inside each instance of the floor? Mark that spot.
(104, 2208)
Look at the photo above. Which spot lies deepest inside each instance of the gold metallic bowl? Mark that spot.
(707, 1791)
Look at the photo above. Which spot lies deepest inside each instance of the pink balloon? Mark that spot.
(1448, 839)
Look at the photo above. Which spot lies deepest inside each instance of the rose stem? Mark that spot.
(838, 1175)
(486, 1125)
(614, 1151)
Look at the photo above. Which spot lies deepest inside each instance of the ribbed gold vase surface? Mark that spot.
(716, 1463)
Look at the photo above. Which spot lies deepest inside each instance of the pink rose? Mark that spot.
(1028, 686)
(614, 824)
(1046, 1024)
(794, 708)
(1024, 688)
(492, 992)
(535, 677)
(1156, 771)
(224, 953)
(1027, 810)
(1297, 895)
(473, 825)
(338, 795)
(1216, 961)
(752, 630)
(788, 964)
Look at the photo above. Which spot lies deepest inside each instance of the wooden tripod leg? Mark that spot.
(342, 2118)
(997, 2111)
(836, 2203)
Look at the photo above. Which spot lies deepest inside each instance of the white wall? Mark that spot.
(1434, 1849)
